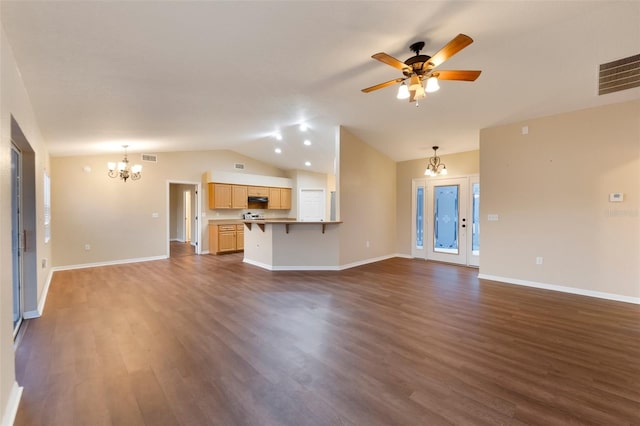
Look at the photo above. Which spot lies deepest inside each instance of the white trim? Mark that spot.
(11, 408)
(109, 263)
(563, 289)
(366, 261)
(198, 213)
(321, 267)
(258, 264)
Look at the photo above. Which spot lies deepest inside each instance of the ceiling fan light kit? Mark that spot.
(403, 91)
(420, 70)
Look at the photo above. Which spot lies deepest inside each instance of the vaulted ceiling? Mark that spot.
(169, 76)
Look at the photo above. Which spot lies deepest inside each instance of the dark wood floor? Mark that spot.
(203, 340)
(177, 248)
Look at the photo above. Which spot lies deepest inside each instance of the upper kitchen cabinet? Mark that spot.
(280, 198)
(226, 196)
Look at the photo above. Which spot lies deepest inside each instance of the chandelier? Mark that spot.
(123, 170)
(435, 167)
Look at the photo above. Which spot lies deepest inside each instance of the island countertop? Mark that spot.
(287, 221)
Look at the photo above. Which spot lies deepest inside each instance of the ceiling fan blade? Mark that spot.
(454, 46)
(457, 75)
(383, 85)
(390, 60)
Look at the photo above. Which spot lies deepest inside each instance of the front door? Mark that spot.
(444, 224)
(447, 227)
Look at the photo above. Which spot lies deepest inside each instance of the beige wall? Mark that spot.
(116, 218)
(14, 101)
(367, 201)
(458, 165)
(550, 189)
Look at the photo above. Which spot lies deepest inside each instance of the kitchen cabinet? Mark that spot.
(227, 196)
(285, 198)
(258, 191)
(280, 198)
(226, 238)
(239, 237)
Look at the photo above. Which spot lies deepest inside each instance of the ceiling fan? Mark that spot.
(419, 69)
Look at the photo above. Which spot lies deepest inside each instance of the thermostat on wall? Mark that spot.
(616, 197)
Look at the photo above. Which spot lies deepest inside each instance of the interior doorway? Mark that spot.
(445, 220)
(183, 223)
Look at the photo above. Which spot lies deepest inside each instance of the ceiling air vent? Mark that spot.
(238, 166)
(619, 75)
(151, 158)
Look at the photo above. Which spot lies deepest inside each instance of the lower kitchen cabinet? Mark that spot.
(226, 238)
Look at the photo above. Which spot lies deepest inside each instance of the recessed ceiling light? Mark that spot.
(303, 127)
(307, 163)
(307, 142)
(278, 151)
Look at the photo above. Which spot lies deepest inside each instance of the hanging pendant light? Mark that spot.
(434, 166)
(122, 170)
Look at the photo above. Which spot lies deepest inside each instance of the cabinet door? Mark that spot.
(257, 191)
(219, 196)
(240, 240)
(274, 198)
(239, 197)
(285, 198)
(226, 241)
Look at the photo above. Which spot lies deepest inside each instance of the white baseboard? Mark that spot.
(563, 289)
(11, 409)
(318, 267)
(366, 261)
(109, 263)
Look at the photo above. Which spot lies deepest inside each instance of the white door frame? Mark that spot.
(465, 256)
(196, 236)
(416, 250)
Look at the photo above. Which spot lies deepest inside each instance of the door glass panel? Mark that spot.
(475, 242)
(446, 219)
(420, 217)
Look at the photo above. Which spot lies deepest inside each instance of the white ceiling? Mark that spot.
(176, 76)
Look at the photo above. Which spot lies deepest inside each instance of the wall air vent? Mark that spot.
(238, 166)
(619, 75)
(151, 158)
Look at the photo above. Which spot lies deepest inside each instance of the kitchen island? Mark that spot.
(289, 244)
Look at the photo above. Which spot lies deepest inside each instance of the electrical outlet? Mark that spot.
(367, 244)
(44, 263)
(539, 260)
(87, 247)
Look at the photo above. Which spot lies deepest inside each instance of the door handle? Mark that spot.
(24, 240)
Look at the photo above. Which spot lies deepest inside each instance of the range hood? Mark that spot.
(258, 199)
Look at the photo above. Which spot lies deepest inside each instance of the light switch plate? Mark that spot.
(492, 217)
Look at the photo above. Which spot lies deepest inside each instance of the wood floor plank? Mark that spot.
(209, 340)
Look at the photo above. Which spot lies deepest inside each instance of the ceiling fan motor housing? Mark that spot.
(418, 64)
